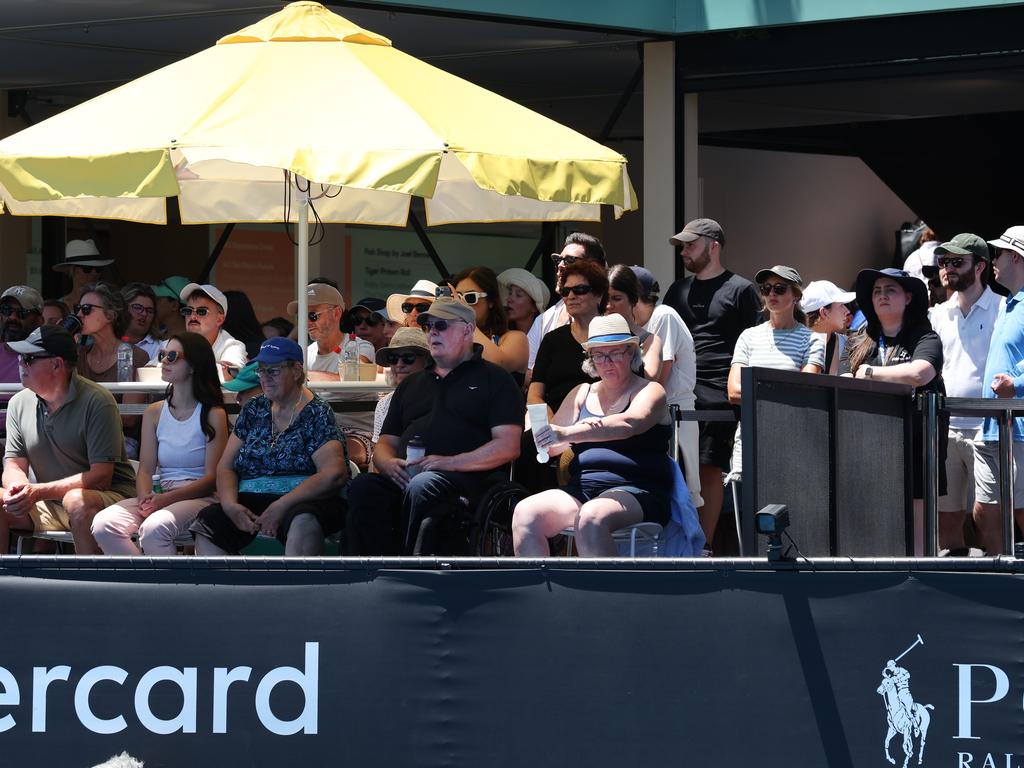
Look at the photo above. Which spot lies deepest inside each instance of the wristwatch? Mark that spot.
(868, 371)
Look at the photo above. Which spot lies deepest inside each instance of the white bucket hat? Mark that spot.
(528, 282)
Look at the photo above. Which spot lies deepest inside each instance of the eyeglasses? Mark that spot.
(408, 358)
(371, 319)
(945, 262)
(472, 297)
(141, 309)
(602, 358)
(271, 371)
(420, 307)
(429, 324)
(170, 356)
(560, 259)
(779, 289)
(27, 360)
(6, 310)
(579, 290)
(85, 309)
(198, 311)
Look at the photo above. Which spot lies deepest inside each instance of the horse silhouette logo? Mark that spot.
(902, 714)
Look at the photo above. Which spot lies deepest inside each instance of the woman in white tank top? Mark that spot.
(183, 438)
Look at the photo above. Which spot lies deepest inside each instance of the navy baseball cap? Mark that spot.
(278, 350)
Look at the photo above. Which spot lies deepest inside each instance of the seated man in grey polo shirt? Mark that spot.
(64, 460)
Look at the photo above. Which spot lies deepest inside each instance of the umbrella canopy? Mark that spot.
(305, 93)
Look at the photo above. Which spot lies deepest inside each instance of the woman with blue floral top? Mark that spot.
(283, 467)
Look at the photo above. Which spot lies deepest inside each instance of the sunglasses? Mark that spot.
(600, 358)
(141, 309)
(945, 262)
(85, 309)
(169, 357)
(91, 269)
(579, 290)
(198, 311)
(406, 357)
(429, 324)
(27, 360)
(314, 316)
(420, 307)
(778, 289)
(6, 310)
(472, 297)
(371, 320)
(560, 259)
(271, 371)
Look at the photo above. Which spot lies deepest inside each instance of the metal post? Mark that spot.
(1006, 478)
(302, 265)
(930, 403)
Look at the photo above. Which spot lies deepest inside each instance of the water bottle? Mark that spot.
(350, 359)
(414, 450)
(125, 369)
(157, 488)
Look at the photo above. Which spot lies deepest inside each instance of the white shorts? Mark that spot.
(986, 473)
(959, 470)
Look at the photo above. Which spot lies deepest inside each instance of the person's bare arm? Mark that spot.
(916, 373)
(648, 408)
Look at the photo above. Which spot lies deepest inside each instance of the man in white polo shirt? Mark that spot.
(964, 323)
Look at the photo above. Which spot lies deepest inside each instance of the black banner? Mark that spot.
(521, 667)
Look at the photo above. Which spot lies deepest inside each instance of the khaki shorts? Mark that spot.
(51, 515)
(986, 473)
(959, 470)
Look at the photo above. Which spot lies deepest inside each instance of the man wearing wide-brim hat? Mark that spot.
(83, 264)
(406, 307)
(1004, 377)
(467, 412)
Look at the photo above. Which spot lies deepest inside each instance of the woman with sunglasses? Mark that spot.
(142, 328)
(183, 437)
(283, 468)
(782, 342)
(407, 353)
(621, 473)
(478, 287)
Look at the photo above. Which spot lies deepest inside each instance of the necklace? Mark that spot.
(275, 434)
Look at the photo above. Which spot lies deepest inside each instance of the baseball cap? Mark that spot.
(786, 273)
(210, 290)
(822, 293)
(25, 295)
(244, 380)
(648, 282)
(1012, 239)
(48, 340)
(318, 293)
(965, 244)
(171, 287)
(373, 304)
(447, 308)
(699, 228)
(278, 350)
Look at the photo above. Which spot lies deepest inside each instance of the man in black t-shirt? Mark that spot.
(717, 306)
(469, 415)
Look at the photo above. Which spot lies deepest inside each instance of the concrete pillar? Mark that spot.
(658, 196)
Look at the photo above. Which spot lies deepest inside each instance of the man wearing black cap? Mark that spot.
(717, 306)
(369, 319)
(66, 431)
(469, 415)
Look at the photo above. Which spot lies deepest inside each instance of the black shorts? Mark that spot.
(655, 506)
(218, 528)
(716, 437)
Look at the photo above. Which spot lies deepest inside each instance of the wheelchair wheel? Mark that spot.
(493, 533)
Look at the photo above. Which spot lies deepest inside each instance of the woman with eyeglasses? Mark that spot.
(621, 474)
(558, 368)
(623, 295)
(407, 353)
(183, 437)
(478, 287)
(782, 342)
(283, 468)
(142, 328)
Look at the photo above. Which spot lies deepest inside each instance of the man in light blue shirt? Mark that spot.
(1004, 377)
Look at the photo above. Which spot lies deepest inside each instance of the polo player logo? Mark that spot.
(902, 714)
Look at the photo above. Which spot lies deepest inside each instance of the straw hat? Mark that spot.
(424, 289)
(404, 340)
(609, 331)
(528, 282)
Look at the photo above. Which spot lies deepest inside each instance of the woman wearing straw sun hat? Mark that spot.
(621, 473)
(406, 353)
(525, 296)
(83, 264)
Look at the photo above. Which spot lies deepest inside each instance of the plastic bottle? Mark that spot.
(415, 449)
(350, 359)
(341, 363)
(125, 369)
(157, 488)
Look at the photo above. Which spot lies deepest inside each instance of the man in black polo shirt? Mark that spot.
(469, 415)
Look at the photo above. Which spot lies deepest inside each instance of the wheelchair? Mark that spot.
(482, 527)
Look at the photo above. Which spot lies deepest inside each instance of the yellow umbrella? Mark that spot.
(306, 105)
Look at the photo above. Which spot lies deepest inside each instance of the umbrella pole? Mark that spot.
(302, 266)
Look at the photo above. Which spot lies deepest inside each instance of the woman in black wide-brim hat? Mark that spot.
(899, 346)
